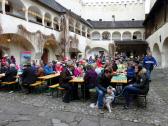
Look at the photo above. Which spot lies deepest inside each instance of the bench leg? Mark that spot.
(145, 101)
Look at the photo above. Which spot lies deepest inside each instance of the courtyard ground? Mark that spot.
(18, 109)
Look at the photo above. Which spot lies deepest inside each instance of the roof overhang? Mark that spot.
(130, 42)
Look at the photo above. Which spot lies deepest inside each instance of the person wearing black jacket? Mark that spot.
(103, 82)
(28, 77)
(10, 74)
(141, 86)
(65, 77)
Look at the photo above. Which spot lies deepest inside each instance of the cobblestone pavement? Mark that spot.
(18, 109)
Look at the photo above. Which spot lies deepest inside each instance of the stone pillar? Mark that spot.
(86, 32)
(121, 36)
(81, 30)
(101, 36)
(26, 14)
(3, 6)
(163, 59)
(52, 22)
(43, 18)
(74, 25)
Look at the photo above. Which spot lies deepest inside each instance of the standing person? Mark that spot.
(90, 60)
(149, 62)
(103, 82)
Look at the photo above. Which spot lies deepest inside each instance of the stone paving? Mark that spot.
(18, 109)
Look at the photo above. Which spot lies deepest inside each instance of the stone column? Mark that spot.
(26, 14)
(86, 32)
(121, 36)
(74, 25)
(52, 22)
(3, 6)
(43, 16)
(81, 30)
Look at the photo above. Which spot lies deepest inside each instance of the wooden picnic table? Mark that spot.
(119, 79)
(49, 76)
(77, 80)
(2, 75)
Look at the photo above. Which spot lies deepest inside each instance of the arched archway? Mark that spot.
(127, 35)
(71, 25)
(97, 51)
(106, 35)
(56, 23)
(96, 35)
(15, 7)
(34, 14)
(116, 36)
(47, 20)
(137, 35)
(157, 53)
(165, 53)
(49, 51)
(17, 45)
(87, 48)
(83, 30)
(77, 28)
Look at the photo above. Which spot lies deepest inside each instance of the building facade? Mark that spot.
(51, 31)
(156, 27)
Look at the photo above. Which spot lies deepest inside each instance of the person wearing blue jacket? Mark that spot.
(48, 69)
(149, 62)
(131, 73)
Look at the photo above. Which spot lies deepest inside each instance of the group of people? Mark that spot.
(96, 74)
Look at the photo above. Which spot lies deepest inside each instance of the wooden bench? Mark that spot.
(12, 83)
(57, 88)
(9, 83)
(36, 84)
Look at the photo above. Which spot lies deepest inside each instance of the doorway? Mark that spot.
(44, 57)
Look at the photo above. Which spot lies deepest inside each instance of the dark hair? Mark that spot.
(140, 67)
(89, 67)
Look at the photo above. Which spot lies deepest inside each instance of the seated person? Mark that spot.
(103, 81)
(65, 77)
(28, 77)
(141, 86)
(10, 74)
(48, 69)
(58, 67)
(78, 71)
(131, 73)
(40, 71)
(90, 80)
(4, 67)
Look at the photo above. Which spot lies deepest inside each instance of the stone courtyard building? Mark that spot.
(156, 26)
(53, 29)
